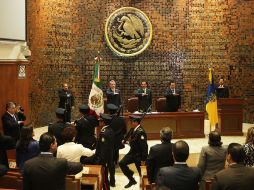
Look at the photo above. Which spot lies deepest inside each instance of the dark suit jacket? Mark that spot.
(179, 177)
(173, 102)
(47, 172)
(11, 126)
(222, 92)
(113, 98)
(160, 155)
(66, 99)
(144, 101)
(235, 177)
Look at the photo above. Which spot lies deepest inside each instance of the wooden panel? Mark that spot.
(13, 89)
(183, 124)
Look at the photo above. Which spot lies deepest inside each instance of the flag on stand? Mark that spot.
(211, 101)
(96, 101)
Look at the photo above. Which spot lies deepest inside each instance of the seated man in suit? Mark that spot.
(144, 95)
(236, 176)
(222, 90)
(179, 176)
(45, 171)
(160, 155)
(6, 143)
(173, 98)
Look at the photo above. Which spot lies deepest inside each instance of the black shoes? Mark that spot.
(131, 182)
(112, 184)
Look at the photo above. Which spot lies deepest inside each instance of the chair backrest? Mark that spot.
(208, 184)
(161, 104)
(11, 180)
(94, 177)
(71, 183)
(132, 104)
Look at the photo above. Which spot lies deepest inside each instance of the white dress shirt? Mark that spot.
(72, 152)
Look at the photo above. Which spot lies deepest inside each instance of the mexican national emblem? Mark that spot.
(128, 31)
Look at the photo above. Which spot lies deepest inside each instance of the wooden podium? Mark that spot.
(230, 112)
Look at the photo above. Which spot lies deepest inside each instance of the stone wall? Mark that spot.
(189, 36)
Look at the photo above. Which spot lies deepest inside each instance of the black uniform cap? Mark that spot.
(112, 107)
(136, 118)
(105, 117)
(60, 111)
(84, 108)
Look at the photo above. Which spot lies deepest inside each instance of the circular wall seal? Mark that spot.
(128, 31)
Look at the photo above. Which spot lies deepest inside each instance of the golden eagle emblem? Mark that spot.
(128, 31)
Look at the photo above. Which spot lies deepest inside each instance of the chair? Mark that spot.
(71, 183)
(132, 104)
(93, 178)
(11, 180)
(208, 184)
(161, 104)
(144, 183)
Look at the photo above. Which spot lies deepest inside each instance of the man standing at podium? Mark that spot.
(66, 101)
(113, 94)
(144, 97)
(222, 90)
(173, 98)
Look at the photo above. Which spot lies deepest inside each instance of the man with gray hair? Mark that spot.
(160, 155)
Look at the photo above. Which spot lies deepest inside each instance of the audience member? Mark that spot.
(57, 128)
(20, 114)
(119, 127)
(249, 148)
(212, 158)
(69, 150)
(236, 176)
(6, 143)
(138, 150)
(3, 170)
(26, 147)
(85, 127)
(45, 171)
(11, 124)
(179, 176)
(160, 155)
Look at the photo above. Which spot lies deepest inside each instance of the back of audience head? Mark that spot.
(181, 151)
(214, 138)
(26, 135)
(250, 136)
(166, 134)
(69, 133)
(47, 143)
(235, 153)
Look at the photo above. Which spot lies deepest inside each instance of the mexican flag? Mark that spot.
(96, 101)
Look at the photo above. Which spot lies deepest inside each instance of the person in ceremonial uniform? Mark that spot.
(66, 101)
(85, 127)
(104, 150)
(138, 150)
(222, 91)
(144, 95)
(119, 127)
(173, 98)
(113, 94)
(57, 127)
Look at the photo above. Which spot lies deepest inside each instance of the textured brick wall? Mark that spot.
(188, 37)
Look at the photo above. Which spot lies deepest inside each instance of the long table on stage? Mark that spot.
(183, 124)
